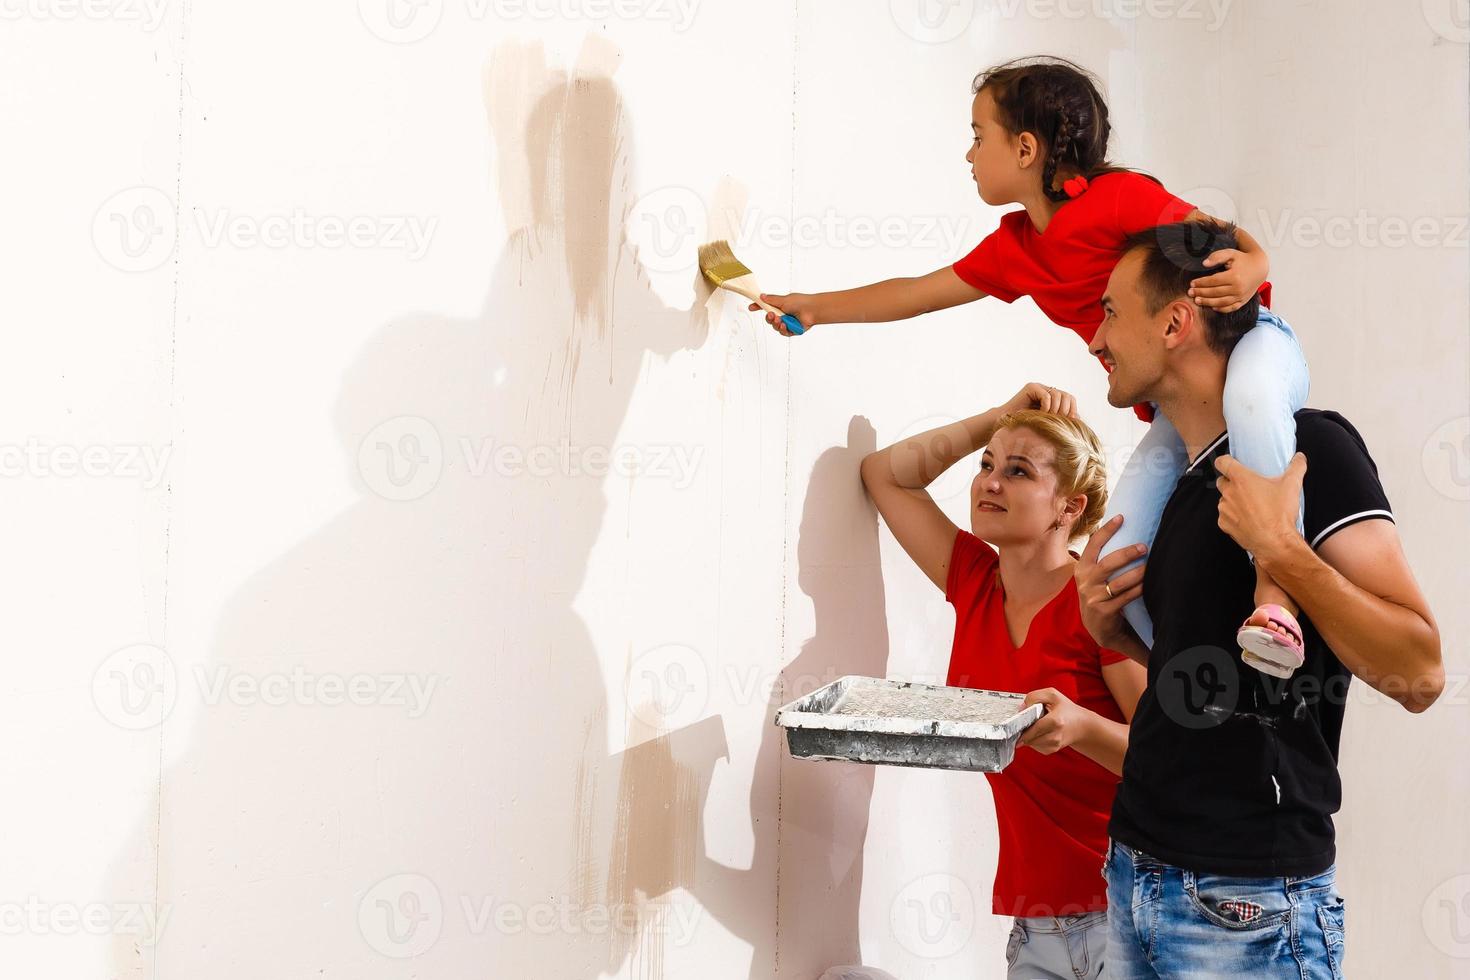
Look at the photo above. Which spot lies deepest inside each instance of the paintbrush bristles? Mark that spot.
(718, 262)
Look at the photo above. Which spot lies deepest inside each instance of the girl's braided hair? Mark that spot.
(1059, 102)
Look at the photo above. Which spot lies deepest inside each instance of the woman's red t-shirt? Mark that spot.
(1066, 268)
(1052, 810)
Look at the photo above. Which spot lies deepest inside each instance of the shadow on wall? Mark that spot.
(823, 805)
(431, 829)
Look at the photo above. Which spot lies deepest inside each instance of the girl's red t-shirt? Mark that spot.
(1066, 268)
(1052, 810)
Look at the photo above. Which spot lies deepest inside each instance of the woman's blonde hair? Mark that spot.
(1079, 460)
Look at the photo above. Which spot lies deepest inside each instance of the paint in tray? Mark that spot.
(885, 722)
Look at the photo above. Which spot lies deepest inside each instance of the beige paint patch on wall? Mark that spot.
(726, 216)
(574, 122)
(654, 836)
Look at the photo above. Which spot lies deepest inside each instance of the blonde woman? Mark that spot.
(1040, 486)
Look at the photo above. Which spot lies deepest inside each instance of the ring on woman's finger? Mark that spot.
(1108, 587)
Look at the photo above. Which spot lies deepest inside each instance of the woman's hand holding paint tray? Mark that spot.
(724, 271)
(1064, 724)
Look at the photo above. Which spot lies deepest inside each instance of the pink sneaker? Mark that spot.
(1269, 651)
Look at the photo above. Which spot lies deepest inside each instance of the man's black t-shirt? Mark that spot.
(1229, 770)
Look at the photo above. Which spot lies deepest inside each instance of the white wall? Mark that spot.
(561, 682)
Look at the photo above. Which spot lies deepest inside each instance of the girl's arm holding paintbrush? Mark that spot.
(1241, 274)
(880, 302)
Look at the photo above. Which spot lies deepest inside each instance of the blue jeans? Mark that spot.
(1266, 384)
(1067, 947)
(1164, 921)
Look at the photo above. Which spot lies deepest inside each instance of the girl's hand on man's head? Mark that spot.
(1232, 287)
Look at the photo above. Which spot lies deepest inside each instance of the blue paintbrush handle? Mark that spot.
(793, 324)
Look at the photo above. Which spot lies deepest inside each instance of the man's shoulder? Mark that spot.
(1322, 416)
(1342, 485)
(1327, 431)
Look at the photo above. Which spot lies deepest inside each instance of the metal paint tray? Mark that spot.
(896, 723)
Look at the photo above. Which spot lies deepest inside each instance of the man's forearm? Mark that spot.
(1389, 645)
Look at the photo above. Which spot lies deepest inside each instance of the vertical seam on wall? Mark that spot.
(168, 491)
(786, 493)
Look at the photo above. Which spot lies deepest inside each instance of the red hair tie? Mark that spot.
(1075, 186)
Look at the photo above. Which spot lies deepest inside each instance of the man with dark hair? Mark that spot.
(1222, 859)
(1173, 256)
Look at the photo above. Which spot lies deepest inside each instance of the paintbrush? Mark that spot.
(725, 271)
